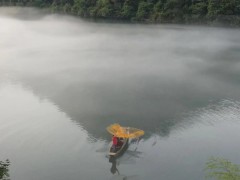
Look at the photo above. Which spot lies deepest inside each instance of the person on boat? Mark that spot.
(114, 141)
(120, 141)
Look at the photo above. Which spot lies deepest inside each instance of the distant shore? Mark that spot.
(206, 12)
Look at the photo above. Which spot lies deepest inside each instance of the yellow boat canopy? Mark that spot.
(124, 132)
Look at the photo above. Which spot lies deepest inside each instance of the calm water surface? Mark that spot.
(63, 80)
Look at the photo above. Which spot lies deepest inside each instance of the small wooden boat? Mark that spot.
(123, 134)
(120, 148)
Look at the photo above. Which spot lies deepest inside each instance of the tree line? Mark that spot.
(155, 11)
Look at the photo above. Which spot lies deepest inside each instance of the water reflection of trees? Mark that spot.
(156, 107)
(151, 99)
(4, 169)
(94, 107)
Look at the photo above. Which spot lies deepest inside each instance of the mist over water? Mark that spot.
(63, 80)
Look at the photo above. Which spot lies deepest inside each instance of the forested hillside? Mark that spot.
(160, 11)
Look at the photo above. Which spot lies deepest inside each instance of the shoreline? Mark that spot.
(206, 23)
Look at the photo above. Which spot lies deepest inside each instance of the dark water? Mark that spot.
(63, 80)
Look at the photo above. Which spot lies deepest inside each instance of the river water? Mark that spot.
(64, 80)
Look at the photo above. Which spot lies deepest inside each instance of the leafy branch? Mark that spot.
(222, 169)
(4, 175)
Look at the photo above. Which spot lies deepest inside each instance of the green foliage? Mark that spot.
(128, 10)
(4, 170)
(173, 11)
(237, 7)
(222, 169)
(213, 8)
(223, 11)
(82, 7)
(67, 8)
(54, 7)
(157, 10)
(165, 11)
(199, 9)
(104, 8)
(143, 11)
(227, 7)
(38, 3)
(158, 7)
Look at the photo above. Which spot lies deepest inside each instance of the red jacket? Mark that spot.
(114, 140)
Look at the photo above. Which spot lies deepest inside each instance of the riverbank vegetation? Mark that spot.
(222, 169)
(154, 11)
(4, 170)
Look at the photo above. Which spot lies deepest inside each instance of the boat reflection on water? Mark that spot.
(113, 169)
(113, 158)
(127, 156)
(122, 138)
